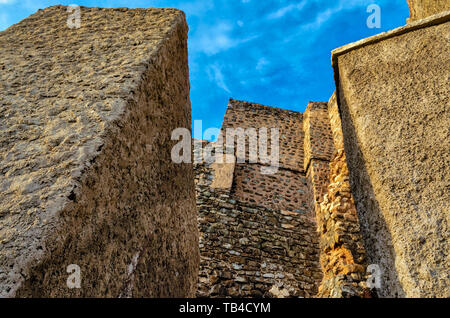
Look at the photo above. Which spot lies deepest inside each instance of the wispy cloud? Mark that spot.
(4, 23)
(285, 10)
(262, 63)
(7, 1)
(212, 40)
(215, 74)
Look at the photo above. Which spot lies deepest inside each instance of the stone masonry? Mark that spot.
(262, 235)
(357, 205)
(258, 237)
(397, 143)
(420, 9)
(86, 176)
(343, 256)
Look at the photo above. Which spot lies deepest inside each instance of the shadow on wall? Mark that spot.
(376, 236)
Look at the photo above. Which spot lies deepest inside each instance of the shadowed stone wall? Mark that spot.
(86, 176)
(342, 253)
(397, 141)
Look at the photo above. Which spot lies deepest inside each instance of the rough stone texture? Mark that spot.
(285, 190)
(223, 173)
(86, 116)
(253, 251)
(343, 256)
(258, 238)
(335, 123)
(318, 148)
(419, 9)
(397, 142)
(250, 115)
(318, 143)
(259, 235)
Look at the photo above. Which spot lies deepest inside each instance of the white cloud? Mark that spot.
(215, 74)
(7, 1)
(212, 40)
(325, 15)
(262, 63)
(285, 10)
(4, 23)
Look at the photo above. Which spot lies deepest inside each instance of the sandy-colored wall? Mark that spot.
(87, 177)
(419, 9)
(394, 99)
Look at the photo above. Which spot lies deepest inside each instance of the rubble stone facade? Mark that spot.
(294, 233)
(356, 205)
(85, 135)
(397, 142)
(258, 237)
(420, 9)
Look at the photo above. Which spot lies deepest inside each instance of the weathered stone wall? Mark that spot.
(251, 251)
(318, 147)
(241, 114)
(342, 253)
(86, 116)
(318, 143)
(420, 9)
(397, 143)
(258, 238)
(285, 190)
(343, 256)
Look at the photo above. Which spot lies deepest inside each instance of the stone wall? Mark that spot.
(343, 256)
(258, 237)
(318, 143)
(397, 143)
(262, 236)
(285, 190)
(420, 9)
(250, 115)
(248, 250)
(86, 116)
(318, 147)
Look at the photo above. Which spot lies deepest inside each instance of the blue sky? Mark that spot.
(273, 52)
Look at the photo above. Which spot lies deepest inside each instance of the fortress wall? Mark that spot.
(85, 141)
(335, 123)
(397, 143)
(318, 178)
(250, 115)
(318, 147)
(253, 251)
(318, 143)
(285, 190)
(343, 256)
(420, 9)
(258, 237)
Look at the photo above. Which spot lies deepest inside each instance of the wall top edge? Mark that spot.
(436, 19)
